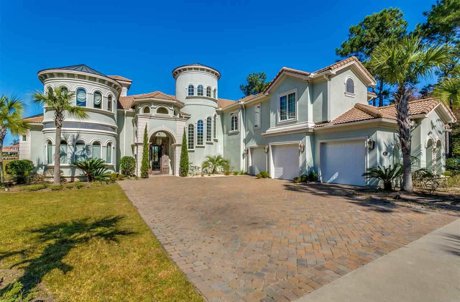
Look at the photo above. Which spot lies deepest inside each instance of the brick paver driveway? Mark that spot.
(245, 239)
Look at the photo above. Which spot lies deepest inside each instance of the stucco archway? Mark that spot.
(161, 153)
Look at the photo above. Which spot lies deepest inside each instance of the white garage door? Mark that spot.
(258, 161)
(286, 161)
(343, 162)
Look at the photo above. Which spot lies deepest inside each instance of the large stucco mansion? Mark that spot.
(304, 120)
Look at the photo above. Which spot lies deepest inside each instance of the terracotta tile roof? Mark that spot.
(126, 102)
(38, 118)
(361, 112)
(286, 70)
(11, 149)
(344, 62)
(222, 103)
(119, 78)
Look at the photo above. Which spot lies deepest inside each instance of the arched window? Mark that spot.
(109, 103)
(234, 122)
(429, 155)
(63, 152)
(162, 110)
(146, 109)
(200, 90)
(191, 90)
(80, 151)
(214, 93)
(96, 150)
(438, 158)
(215, 126)
(64, 90)
(199, 132)
(208, 129)
(191, 136)
(350, 86)
(208, 91)
(97, 101)
(108, 154)
(81, 97)
(49, 152)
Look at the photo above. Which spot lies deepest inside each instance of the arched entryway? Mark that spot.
(161, 153)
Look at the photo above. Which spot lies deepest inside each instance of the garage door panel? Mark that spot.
(343, 162)
(258, 161)
(286, 161)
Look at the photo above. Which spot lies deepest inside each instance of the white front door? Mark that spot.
(258, 161)
(343, 162)
(285, 161)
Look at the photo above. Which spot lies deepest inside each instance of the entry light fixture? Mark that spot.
(370, 144)
(266, 149)
(301, 147)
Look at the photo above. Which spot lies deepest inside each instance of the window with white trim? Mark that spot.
(109, 103)
(49, 152)
(257, 116)
(80, 151)
(200, 90)
(81, 97)
(215, 126)
(208, 129)
(191, 90)
(287, 107)
(97, 100)
(234, 121)
(191, 136)
(96, 150)
(208, 91)
(350, 86)
(108, 154)
(63, 152)
(199, 133)
(214, 93)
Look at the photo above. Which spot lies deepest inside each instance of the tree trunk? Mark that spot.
(57, 155)
(402, 112)
(1, 160)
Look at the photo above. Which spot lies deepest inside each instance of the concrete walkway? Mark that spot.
(427, 269)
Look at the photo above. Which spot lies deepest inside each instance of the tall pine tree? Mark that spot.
(145, 156)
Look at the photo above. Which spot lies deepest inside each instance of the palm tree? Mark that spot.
(10, 120)
(214, 164)
(60, 101)
(402, 63)
(448, 91)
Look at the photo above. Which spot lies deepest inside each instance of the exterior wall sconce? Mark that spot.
(370, 144)
(266, 149)
(246, 151)
(301, 147)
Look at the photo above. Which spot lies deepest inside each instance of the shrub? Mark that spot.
(94, 169)
(145, 156)
(184, 162)
(36, 187)
(56, 187)
(215, 164)
(453, 165)
(387, 175)
(263, 174)
(128, 165)
(20, 169)
(116, 176)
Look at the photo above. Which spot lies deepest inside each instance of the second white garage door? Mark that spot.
(258, 161)
(286, 161)
(343, 162)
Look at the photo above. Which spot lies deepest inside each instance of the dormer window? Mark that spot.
(162, 110)
(146, 110)
(200, 90)
(191, 90)
(208, 92)
(350, 86)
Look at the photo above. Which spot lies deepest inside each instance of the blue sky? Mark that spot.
(145, 40)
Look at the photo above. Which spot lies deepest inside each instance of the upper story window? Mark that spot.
(64, 90)
(191, 90)
(350, 86)
(287, 110)
(199, 90)
(214, 93)
(208, 129)
(234, 122)
(97, 102)
(257, 116)
(208, 92)
(81, 97)
(191, 136)
(162, 110)
(146, 109)
(109, 103)
(199, 132)
(96, 150)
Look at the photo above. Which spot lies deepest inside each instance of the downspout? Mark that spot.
(242, 136)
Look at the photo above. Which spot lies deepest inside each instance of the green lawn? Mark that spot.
(87, 244)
